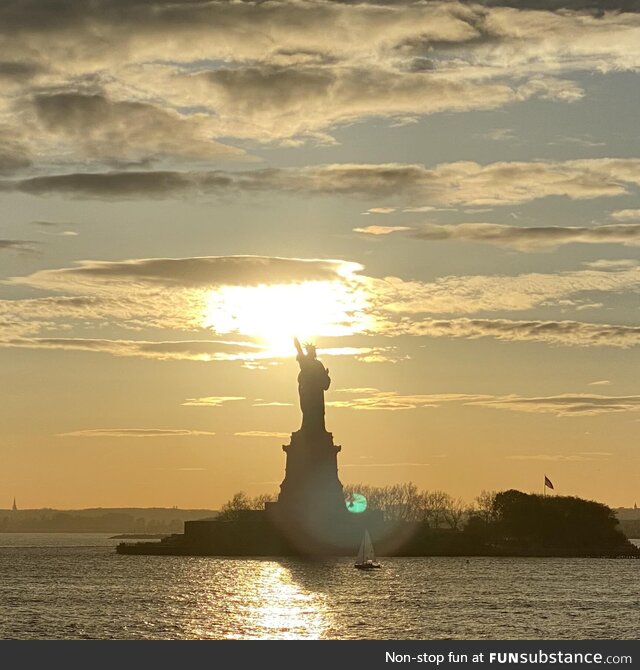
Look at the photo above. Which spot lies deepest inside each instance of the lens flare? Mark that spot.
(356, 503)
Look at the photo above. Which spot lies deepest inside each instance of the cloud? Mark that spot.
(188, 74)
(381, 230)
(476, 293)
(133, 184)
(595, 7)
(500, 134)
(515, 237)
(569, 458)
(293, 100)
(136, 432)
(577, 141)
(210, 401)
(600, 382)
(381, 210)
(203, 271)
(12, 71)
(50, 224)
(566, 404)
(13, 157)
(373, 399)
(206, 294)
(261, 433)
(626, 215)
(559, 405)
(205, 351)
(179, 350)
(100, 128)
(566, 333)
(401, 464)
(463, 182)
(609, 264)
(62, 233)
(24, 246)
(424, 208)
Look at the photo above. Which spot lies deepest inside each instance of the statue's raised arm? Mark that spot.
(313, 381)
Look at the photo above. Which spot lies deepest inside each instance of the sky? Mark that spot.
(442, 196)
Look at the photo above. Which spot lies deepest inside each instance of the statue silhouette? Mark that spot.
(313, 381)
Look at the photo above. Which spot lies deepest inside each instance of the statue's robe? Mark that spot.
(313, 381)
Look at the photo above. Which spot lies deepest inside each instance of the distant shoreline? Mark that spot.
(119, 536)
(138, 536)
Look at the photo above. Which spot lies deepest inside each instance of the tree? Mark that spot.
(434, 505)
(260, 501)
(455, 512)
(556, 523)
(239, 502)
(484, 506)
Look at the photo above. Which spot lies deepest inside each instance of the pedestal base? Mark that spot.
(311, 506)
(311, 487)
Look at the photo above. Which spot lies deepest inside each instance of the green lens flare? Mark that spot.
(356, 503)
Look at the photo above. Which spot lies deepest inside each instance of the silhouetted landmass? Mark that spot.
(315, 515)
(138, 536)
(406, 522)
(522, 523)
(154, 520)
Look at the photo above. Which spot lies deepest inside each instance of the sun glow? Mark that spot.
(273, 314)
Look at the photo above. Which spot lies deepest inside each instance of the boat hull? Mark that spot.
(371, 566)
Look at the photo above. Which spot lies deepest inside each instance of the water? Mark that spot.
(76, 586)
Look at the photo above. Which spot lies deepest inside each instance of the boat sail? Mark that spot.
(366, 559)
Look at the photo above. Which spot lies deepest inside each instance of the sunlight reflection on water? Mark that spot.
(276, 607)
(53, 589)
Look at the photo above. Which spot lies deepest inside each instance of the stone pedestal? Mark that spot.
(311, 507)
(311, 488)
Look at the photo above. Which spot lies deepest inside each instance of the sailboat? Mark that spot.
(366, 556)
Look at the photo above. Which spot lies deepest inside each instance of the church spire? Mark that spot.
(15, 507)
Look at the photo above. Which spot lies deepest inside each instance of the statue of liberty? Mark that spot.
(313, 381)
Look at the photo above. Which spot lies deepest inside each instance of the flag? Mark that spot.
(547, 482)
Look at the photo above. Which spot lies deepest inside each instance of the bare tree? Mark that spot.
(259, 502)
(455, 513)
(434, 507)
(399, 502)
(484, 506)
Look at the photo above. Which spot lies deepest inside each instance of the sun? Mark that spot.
(273, 314)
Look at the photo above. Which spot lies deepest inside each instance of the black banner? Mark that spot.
(329, 655)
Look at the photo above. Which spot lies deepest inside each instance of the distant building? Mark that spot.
(15, 507)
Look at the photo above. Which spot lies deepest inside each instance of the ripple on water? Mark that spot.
(77, 587)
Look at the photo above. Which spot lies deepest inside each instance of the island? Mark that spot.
(313, 517)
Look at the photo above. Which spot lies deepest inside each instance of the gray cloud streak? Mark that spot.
(532, 238)
(465, 182)
(569, 333)
(137, 432)
(181, 350)
(27, 246)
(580, 404)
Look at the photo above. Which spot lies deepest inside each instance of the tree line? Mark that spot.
(501, 522)
(399, 502)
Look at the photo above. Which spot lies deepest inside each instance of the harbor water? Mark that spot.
(75, 586)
